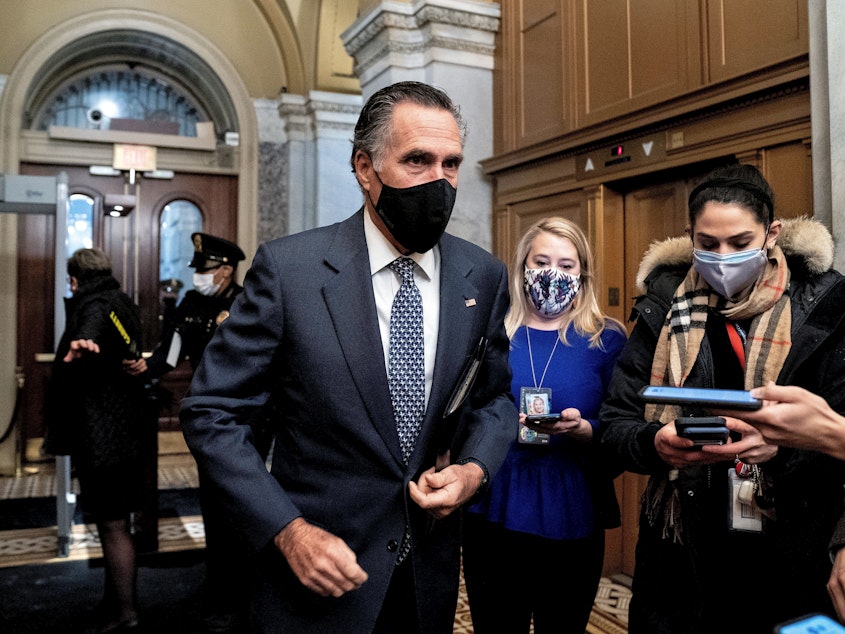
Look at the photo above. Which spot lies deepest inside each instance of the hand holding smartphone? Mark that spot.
(542, 418)
(700, 397)
(703, 430)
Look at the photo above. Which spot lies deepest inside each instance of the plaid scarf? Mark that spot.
(766, 348)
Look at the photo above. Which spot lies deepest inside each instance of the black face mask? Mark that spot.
(416, 216)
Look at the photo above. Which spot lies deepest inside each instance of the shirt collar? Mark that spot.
(382, 253)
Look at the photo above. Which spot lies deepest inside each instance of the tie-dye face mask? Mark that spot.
(550, 290)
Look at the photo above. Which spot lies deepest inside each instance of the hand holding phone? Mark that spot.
(542, 418)
(701, 397)
(703, 430)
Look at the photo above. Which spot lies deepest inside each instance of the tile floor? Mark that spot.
(177, 470)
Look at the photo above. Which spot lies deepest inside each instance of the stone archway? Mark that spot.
(17, 143)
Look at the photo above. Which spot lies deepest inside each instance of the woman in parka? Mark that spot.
(744, 300)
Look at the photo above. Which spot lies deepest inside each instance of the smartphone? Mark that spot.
(810, 624)
(542, 418)
(703, 430)
(700, 396)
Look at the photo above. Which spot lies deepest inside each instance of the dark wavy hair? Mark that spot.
(373, 126)
(741, 185)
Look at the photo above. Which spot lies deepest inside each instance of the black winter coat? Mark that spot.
(808, 486)
(95, 411)
(196, 320)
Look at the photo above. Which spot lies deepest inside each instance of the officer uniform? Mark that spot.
(197, 318)
(197, 315)
(168, 293)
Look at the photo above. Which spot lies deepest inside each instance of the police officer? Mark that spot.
(202, 309)
(197, 317)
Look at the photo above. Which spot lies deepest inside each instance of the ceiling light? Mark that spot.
(116, 205)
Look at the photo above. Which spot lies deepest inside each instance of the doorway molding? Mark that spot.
(14, 140)
(31, 67)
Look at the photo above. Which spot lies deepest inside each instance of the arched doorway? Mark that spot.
(165, 97)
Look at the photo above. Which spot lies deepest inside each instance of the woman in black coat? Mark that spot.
(95, 413)
(744, 300)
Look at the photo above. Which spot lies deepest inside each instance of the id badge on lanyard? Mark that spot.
(534, 400)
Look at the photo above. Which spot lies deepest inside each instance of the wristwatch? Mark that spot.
(484, 479)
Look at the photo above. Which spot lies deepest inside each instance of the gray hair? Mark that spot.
(373, 127)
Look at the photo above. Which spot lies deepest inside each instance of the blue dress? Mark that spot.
(544, 490)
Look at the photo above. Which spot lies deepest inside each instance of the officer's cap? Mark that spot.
(211, 251)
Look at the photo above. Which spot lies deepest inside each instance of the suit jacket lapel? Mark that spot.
(352, 307)
(353, 313)
(454, 336)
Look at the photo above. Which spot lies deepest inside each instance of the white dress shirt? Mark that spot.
(386, 284)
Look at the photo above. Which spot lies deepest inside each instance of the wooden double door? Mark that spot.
(133, 244)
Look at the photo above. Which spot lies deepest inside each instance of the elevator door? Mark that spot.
(132, 243)
(652, 212)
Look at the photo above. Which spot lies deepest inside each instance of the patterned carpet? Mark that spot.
(177, 470)
(609, 615)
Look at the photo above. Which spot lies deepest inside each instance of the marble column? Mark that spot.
(273, 169)
(304, 178)
(337, 193)
(449, 44)
(827, 69)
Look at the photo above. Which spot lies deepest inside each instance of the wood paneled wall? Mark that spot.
(567, 65)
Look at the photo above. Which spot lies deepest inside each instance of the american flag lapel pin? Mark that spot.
(470, 302)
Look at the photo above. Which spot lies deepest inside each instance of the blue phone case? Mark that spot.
(700, 396)
(810, 624)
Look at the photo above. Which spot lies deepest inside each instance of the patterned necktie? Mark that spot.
(406, 368)
(406, 371)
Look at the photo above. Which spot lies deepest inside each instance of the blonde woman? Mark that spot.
(533, 546)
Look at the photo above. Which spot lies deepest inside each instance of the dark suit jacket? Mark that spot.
(304, 337)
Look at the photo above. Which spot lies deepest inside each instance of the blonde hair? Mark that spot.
(584, 312)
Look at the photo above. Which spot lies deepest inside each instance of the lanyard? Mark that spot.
(531, 359)
(737, 337)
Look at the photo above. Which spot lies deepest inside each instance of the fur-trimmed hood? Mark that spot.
(805, 242)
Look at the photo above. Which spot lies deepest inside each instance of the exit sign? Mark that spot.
(134, 157)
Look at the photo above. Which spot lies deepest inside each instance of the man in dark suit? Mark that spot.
(356, 519)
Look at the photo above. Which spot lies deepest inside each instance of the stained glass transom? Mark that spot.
(123, 99)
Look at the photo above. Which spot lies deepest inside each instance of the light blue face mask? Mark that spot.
(730, 273)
